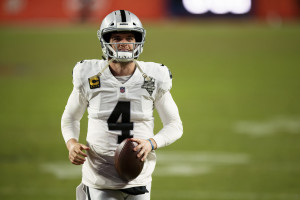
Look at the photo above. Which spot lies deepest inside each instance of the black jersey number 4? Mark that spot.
(122, 108)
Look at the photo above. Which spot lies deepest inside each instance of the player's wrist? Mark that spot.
(153, 144)
(71, 143)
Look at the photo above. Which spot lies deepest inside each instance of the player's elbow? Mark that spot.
(179, 127)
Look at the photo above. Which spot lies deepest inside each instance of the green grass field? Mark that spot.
(237, 86)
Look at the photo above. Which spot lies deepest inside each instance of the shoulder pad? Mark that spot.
(170, 74)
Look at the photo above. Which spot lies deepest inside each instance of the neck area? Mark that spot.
(122, 68)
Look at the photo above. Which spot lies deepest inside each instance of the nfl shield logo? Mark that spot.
(122, 89)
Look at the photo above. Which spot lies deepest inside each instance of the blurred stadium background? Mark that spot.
(235, 66)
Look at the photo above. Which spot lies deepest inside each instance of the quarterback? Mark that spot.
(120, 94)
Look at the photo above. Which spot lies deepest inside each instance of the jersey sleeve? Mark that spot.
(169, 115)
(165, 81)
(75, 108)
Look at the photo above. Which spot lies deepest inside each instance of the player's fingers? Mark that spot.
(72, 157)
(76, 163)
(73, 160)
(75, 151)
(84, 147)
(139, 141)
(79, 159)
(139, 147)
(82, 153)
(144, 156)
(142, 152)
(143, 147)
(76, 157)
(135, 140)
(73, 154)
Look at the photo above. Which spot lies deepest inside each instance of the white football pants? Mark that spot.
(98, 194)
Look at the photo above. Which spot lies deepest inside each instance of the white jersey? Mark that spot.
(117, 111)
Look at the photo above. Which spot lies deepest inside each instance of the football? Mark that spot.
(127, 164)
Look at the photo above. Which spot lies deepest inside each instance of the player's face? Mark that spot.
(122, 38)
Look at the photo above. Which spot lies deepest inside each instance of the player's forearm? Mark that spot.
(172, 126)
(70, 121)
(168, 134)
(70, 127)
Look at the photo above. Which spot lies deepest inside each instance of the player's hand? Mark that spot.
(76, 154)
(144, 147)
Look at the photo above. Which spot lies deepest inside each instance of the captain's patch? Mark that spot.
(94, 82)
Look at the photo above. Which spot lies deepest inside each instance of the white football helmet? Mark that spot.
(121, 20)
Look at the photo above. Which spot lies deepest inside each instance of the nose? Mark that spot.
(124, 40)
(124, 43)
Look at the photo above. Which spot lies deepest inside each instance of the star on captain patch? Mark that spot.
(149, 85)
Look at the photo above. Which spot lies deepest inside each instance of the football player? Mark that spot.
(120, 94)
